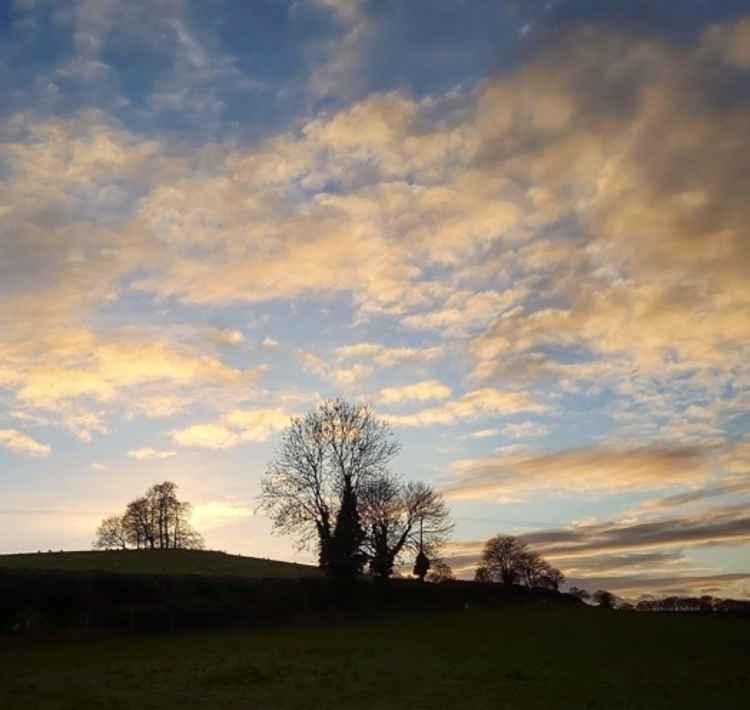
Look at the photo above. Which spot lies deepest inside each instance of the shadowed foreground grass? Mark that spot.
(203, 562)
(506, 658)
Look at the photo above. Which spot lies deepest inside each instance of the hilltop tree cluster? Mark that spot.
(156, 520)
(330, 485)
(508, 560)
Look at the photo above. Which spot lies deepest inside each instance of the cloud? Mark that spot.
(731, 42)
(470, 406)
(149, 454)
(728, 525)
(234, 428)
(351, 375)
(483, 434)
(632, 559)
(19, 443)
(385, 356)
(417, 392)
(226, 336)
(602, 469)
(269, 342)
(152, 375)
(730, 488)
(644, 263)
(465, 310)
(525, 430)
(313, 363)
(346, 11)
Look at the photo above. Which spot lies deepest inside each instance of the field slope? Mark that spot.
(178, 562)
(512, 658)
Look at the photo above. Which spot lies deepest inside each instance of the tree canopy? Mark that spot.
(509, 560)
(156, 520)
(330, 484)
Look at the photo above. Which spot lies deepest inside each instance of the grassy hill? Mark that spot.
(178, 562)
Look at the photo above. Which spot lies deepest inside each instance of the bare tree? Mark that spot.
(157, 520)
(530, 567)
(482, 575)
(605, 599)
(551, 577)
(501, 556)
(509, 560)
(166, 510)
(580, 593)
(401, 518)
(111, 534)
(440, 571)
(139, 524)
(322, 464)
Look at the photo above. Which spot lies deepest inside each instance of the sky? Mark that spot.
(517, 229)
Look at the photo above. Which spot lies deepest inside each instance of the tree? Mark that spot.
(156, 520)
(551, 577)
(529, 567)
(440, 571)
(580, 593)
(402, 517)
(421, 566)
(312, 486)
(482, 575)
(509, 560)
(166, 512)
(111, 534)
(502, 556)
(604, 599)
(346, 557)
(139, 524)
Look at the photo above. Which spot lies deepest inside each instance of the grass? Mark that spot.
(510, 658)
(158, 562)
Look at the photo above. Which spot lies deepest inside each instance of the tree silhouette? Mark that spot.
(421, 565)
(440, 571)
(501, 557)
(482, 575)
(323, 463)
(580, 593)
(156, 520)
(111, 534)
(509, 560)
(604, 599)
(402, 517)
(346, 558)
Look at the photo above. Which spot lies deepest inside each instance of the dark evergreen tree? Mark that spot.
(346, 556)
(421, 566)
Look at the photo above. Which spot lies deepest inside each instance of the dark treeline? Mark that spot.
(696, 605)
(674, 604)
(34, 601)
(156, 520)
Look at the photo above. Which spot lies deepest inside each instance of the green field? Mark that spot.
(515, 657)
(158, 562)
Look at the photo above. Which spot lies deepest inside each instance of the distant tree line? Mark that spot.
(330, 486)
(156, 520)
(701, 605)
(706, 604)
(509, 560)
